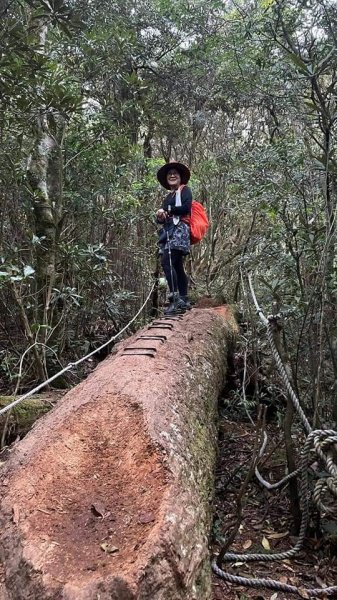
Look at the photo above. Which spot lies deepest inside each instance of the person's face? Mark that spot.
(173, 178)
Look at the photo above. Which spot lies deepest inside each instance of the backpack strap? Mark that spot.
(177, 219)
(186, 218)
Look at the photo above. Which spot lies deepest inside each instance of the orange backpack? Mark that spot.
(198, 221)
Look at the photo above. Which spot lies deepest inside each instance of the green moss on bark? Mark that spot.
(24, 415)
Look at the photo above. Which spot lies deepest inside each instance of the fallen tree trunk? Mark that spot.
(108, 496)
(24, 415)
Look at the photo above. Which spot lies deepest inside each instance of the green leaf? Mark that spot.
(310, 104)
(299, 63)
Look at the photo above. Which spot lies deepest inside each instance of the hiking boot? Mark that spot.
(169, 299)
(181, 306)
(178, 306)
(187, 301)
(170, 310)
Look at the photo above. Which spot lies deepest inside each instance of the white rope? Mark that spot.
(279, 362)
(78, 362)
(319, 439)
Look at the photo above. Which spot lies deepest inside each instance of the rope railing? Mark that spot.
(72, 365)
(320, 441)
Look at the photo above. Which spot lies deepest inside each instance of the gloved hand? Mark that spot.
(161, 215)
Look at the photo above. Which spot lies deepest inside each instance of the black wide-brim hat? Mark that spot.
(183, 171)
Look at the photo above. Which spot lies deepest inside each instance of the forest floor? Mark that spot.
(266, 522)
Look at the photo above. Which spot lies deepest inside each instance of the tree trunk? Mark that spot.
(45, 178)
(289, 445)
(110, 493)
(24, 415)
(291, 464)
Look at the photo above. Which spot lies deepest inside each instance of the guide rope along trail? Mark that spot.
(320, 440)
(72, 365)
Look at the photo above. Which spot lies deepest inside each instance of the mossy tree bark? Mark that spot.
(24, 415)
(45, 178)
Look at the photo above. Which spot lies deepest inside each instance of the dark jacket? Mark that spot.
(169, 205)
(186, 203)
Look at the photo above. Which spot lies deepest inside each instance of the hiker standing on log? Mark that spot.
(174, 236)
